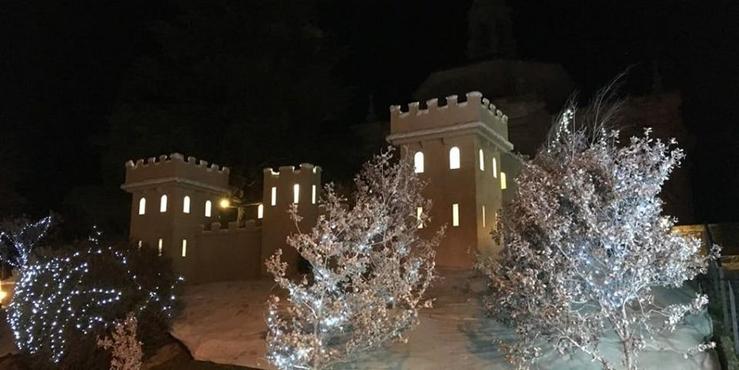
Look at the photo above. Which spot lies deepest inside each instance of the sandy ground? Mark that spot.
(224, 323)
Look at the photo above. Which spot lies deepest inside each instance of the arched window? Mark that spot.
(503, 182)
(142, 206)
(483, 216)
(160, 244)
(313, 194)
(260, 211)
(184, 247)
(482, 160)
(454, 158)
(418, 162)
(208, 208)
(296, 193)
(163, 204)
(186, 204)
(495, 168)
(274, 196)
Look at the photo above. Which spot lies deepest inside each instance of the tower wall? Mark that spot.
(277, 224)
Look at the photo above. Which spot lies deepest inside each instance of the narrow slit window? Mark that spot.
(454, 158)
(313, 194)
(495, 168)
(503, 182)
(186, 204)
(482, 160)
(296, 193)
(160, 244)
(184, 247)
(274, 196)
(455, 214)
(260, 211)
(419, 213)
(483, 216)
(208, 208)
(163, 204)
(418, 162)
(142, 206)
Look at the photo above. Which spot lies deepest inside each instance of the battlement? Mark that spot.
(474, 109)
(303, 168)
(175, 167)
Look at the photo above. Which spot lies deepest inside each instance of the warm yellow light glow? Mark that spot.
(455, 214)
(186, 204)
(418, 162)
(482, 160)
(419, 212)
(260, 211)
(208, 208)
(159, 246)
(296, 193)
(3, 295)
(224, 203)
(163, 203)
(184, 247)
(274, 196)
(142, 206)
(503, 182)
(454, 158)
(313, 195)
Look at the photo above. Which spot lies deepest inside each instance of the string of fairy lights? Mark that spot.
(49, 303)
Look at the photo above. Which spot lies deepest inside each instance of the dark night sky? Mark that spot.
(62, 64)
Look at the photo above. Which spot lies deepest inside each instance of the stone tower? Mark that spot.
(462, 150)
(172, 199)
(282, 189)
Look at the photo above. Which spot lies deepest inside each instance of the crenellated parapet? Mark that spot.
(176, 168)
(431, 117)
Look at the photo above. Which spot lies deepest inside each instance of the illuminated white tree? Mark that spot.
(369, 271)
(124, 345)
(584, 244)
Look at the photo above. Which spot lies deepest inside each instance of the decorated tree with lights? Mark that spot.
(65, 298)
(369, 271)
(585, 244)
(19, 237)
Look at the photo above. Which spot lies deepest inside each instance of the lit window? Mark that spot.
(296, 193)
(208, 208)
(274, 196)
(453, 158)
(503, 183)
(418, 162)
(419, 212)
(483, 216)
(142, 206)
(140, 243)
(313, 194)
(482, 160)
(184, 247)
(186, 204)
(495, 167)
(260, 211)
(163, 204)
(455, 214)
(160, 243)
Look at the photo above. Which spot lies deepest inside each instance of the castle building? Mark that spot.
(461, 148)
(462, 151)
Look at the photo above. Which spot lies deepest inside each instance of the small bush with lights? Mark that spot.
(66, 298)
